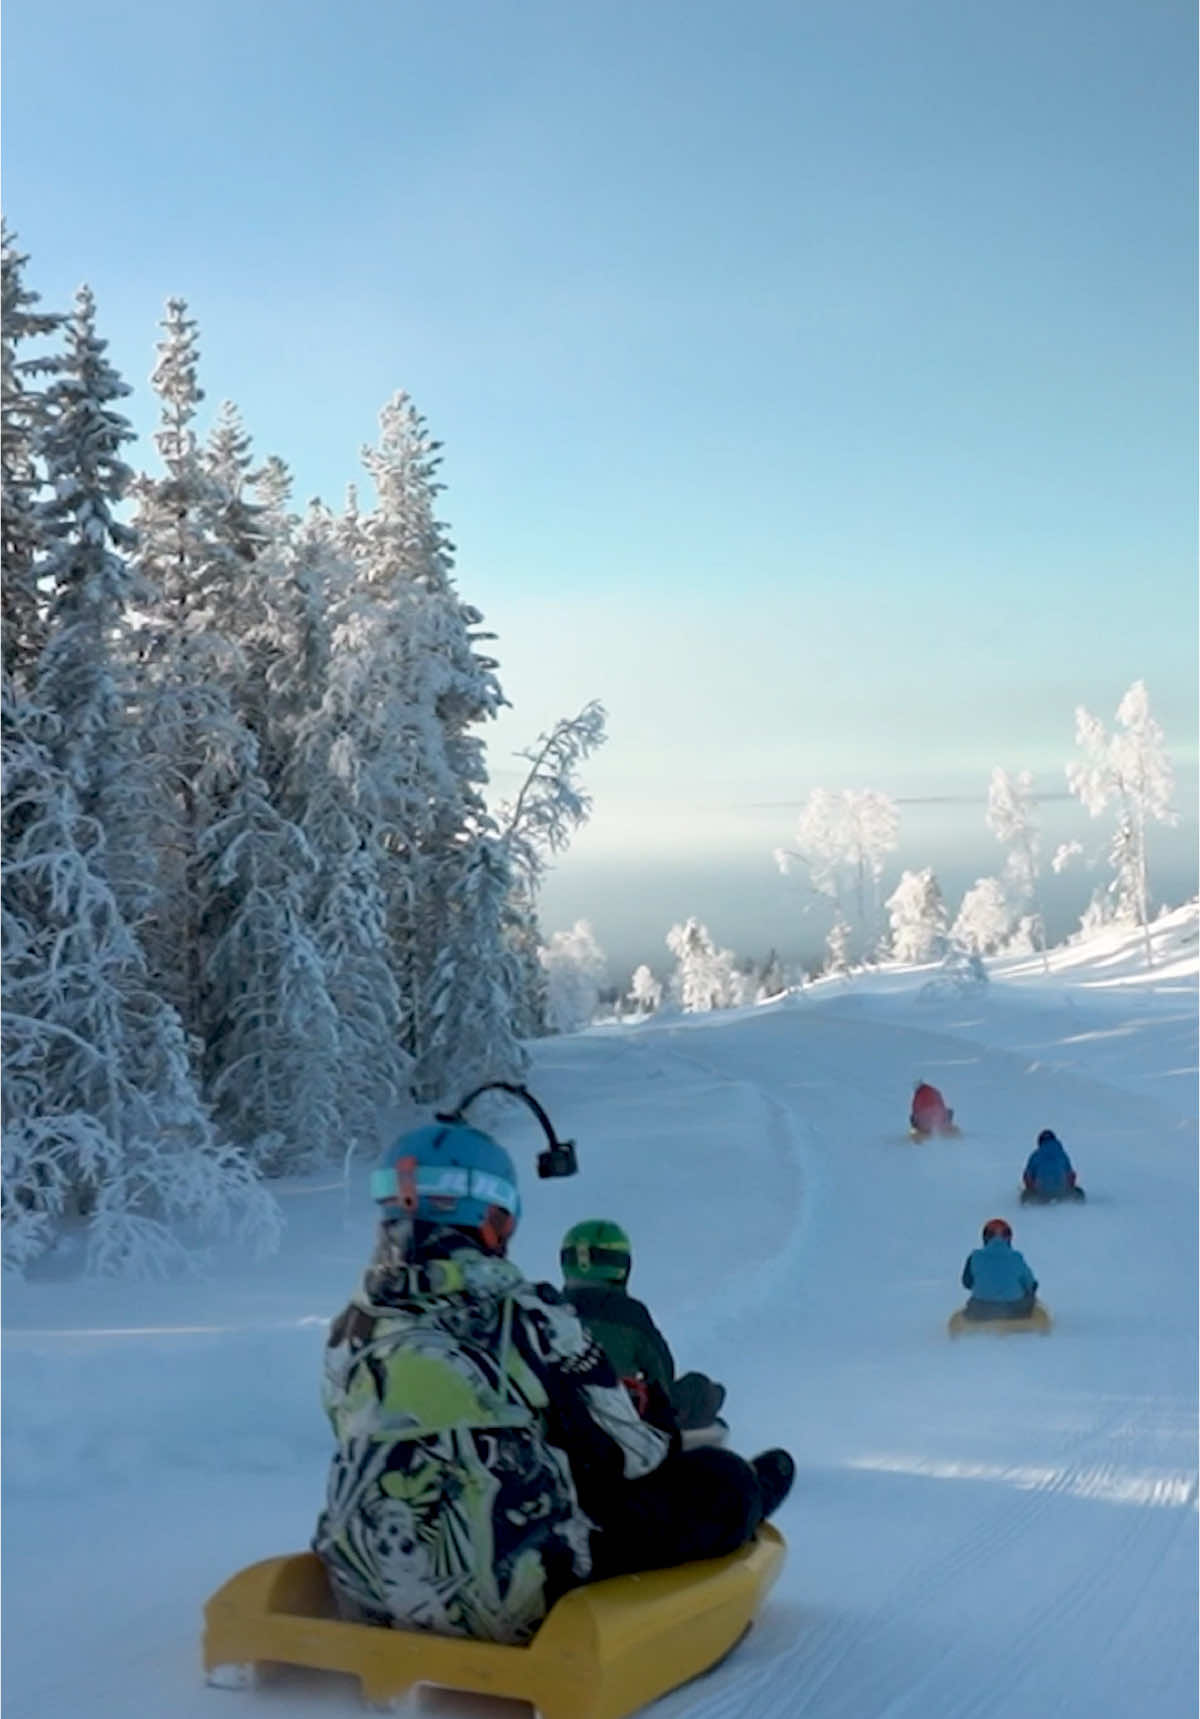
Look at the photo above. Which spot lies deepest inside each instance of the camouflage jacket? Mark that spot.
(477, 1426)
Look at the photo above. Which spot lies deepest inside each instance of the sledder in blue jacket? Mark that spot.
(1048, 1173)
(998, 1277)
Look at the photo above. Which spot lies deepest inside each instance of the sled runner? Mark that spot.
(603, 1652)
(951, 1131)
(1039, 1320)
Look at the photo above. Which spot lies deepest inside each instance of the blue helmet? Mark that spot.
(449, 1173)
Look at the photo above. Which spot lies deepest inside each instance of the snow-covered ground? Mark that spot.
(977, 1528)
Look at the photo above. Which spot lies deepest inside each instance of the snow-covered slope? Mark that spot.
(977, 1528)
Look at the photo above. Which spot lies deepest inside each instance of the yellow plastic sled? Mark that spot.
(603, 1652)
(1039, 1320)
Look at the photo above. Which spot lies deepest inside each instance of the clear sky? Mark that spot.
(817, 379)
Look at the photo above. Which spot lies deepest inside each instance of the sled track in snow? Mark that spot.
(880, 1663)
(862, 1667)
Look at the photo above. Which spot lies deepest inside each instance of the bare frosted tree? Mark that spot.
(842, 839)
(1128, 769)
(1012, 820)
(551, 803)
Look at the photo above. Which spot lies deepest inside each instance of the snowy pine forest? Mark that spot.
(255, 895)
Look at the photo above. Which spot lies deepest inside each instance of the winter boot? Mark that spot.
(774, 1470)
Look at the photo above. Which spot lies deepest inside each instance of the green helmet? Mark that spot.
(596, 1251)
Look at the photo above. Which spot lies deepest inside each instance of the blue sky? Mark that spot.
(817, 380)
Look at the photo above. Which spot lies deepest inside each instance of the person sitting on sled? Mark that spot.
(487, 1459)
(1048, 1172)
(1001, 1283)
(596, 1258)
(929, 1114)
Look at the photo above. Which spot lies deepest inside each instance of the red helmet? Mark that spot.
(997, 1227)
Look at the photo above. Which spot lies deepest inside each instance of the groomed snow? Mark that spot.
(977, 1528)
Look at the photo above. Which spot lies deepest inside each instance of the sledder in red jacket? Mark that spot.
(929, 1114)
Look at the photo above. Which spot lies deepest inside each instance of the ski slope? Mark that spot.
(977, 1528)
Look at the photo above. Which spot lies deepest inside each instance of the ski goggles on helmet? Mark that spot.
(444, 1187)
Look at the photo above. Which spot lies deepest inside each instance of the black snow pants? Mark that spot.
(697, 1504)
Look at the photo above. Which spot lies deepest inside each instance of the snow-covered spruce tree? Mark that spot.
(645, 991)
(1012, 820)
(470, 1037)
(198, 540)
(102, 1123)
(348, 918)
(288, 659)
(705, 977)
(984, 919)
(441, 689)
(235, 535)
(271, 1044)
(22, 421)
(576, 971)
(1130, 770)
(81, 668)
(918, 917)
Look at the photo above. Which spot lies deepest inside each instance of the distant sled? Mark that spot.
(1069, 1197)
(604, 1652)
(1039, 1320)
(951, 1131)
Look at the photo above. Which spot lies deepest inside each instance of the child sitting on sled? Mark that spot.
(1049, 1174)
(1000, 1282)
(487, 1458)
(929, 1113)
(596, 1258)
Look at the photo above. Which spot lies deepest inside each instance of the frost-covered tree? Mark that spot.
(772, 981)
(1013, 821)
(421, 644)
(984, 920)
(235, 534)
(288, 656)
(22, 423)
(550, 805)
(837, 947)
(1129, 770)
(80, 672)
(918, 917)
(470, 1035)
(102, 1124)
(705, 977)
(349, 926)
(576, 972)
(842, 840)
(645, 991)
(271, 1034)
(194, 749)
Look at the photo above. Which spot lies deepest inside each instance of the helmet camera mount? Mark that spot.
(559, 1157)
